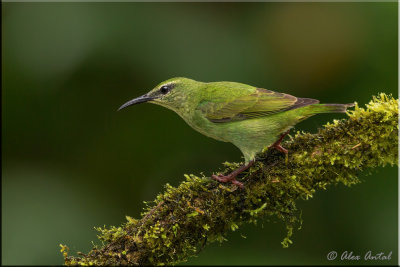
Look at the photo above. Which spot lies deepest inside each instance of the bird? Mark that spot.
(249, 117)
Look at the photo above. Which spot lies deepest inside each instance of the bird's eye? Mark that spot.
(164, 89)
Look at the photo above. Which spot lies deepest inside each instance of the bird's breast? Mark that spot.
(201, 124)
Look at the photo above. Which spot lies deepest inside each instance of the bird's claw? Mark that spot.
(226, 178)
(236, 182)
(221, 178)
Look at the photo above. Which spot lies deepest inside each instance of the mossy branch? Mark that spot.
(199, 211)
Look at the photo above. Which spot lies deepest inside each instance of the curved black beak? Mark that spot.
(138, 100)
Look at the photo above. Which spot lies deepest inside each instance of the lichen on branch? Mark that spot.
(184, 219)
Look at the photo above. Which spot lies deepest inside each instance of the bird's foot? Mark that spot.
(277, 145)
(232, 176)
(226, 178)
(281, 148)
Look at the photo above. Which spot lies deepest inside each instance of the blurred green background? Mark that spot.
(71, 162)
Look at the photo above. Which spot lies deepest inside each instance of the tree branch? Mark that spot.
(199, 211)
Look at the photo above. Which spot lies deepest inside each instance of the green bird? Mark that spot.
(251, 118)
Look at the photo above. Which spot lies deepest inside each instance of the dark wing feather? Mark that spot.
(258, 104)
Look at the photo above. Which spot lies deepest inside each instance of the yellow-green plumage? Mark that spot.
(249, 117)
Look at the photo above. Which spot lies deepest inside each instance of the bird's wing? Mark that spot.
(261, 102)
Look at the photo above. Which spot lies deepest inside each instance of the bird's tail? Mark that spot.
(328, 108)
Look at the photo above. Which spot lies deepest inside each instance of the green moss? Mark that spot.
(111, 234)
(183, 219)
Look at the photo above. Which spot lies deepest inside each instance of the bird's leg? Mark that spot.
(232, 176)
(278, 146)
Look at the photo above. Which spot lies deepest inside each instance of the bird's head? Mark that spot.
(174, 94)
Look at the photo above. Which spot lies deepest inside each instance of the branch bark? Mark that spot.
(183, 219)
